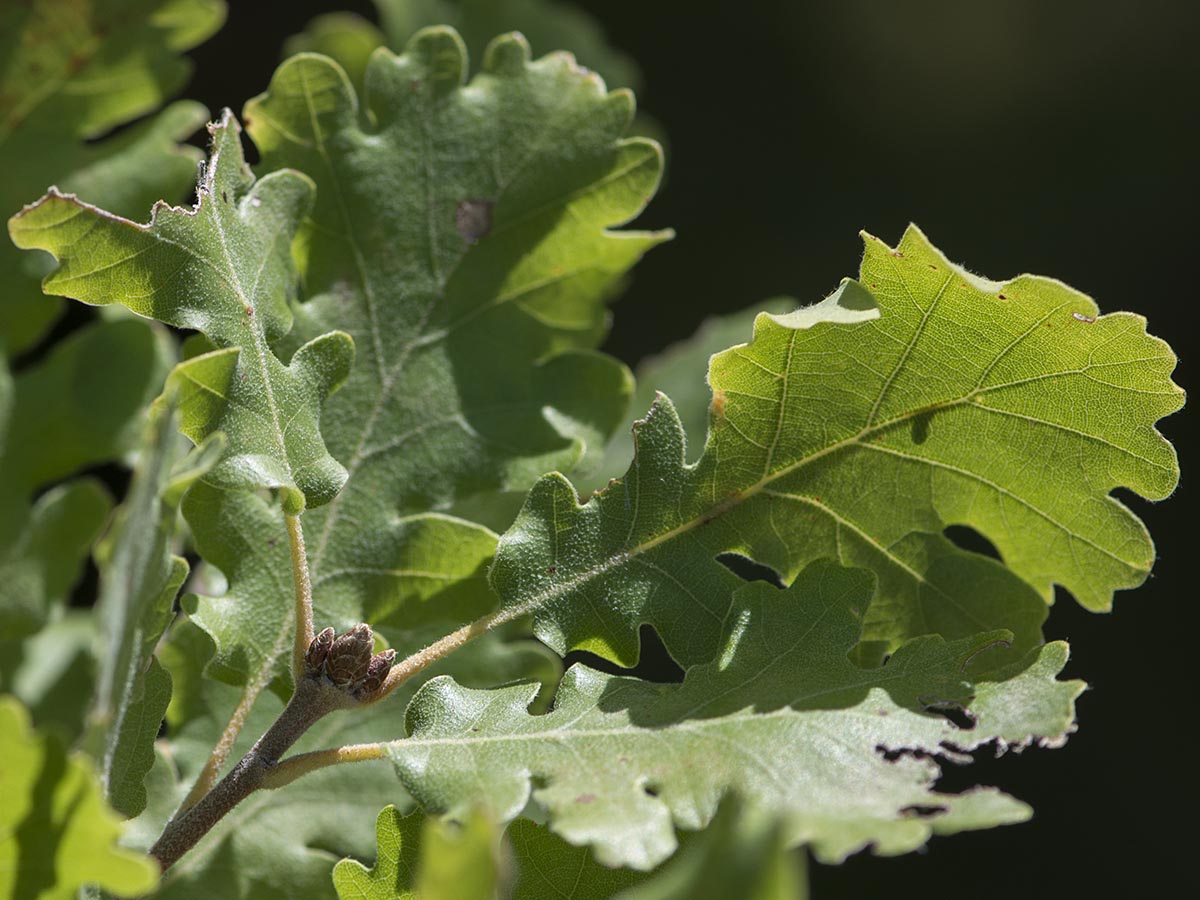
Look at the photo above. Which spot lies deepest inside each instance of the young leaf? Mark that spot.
(859, 429)
(782, 718)
(56, 833)
(224, 268)
(71, 73)
(139, 578)
(71, 410)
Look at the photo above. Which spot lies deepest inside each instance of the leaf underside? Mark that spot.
(859, 429)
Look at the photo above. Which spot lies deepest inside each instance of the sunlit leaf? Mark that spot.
(859, 429)
(56, 833)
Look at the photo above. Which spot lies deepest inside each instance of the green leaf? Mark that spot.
(426, 859)
(859, 429)
(547, 25)
(71, 410)
(475, 370)
(741, 854)
(471, 307)
(345, 37)
(223, 268)
(56, 833)
(71, 73)
(547, 866)
(140, 576)
(281, 848)
(781, 717)
(738, 855)
(679, 372)
(52, 673)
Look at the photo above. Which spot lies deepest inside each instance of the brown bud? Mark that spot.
(350, 656)
(318, 650)
(381, 664)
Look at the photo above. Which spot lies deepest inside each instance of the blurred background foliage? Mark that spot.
(1022, 135)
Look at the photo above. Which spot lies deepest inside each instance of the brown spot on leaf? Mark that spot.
(718, 403)
(586, 798)
(1002, 296)
(473, 219)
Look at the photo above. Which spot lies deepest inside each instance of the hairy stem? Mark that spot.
(439, 649)
(295, 766)
(311, 700)
(216, 761)
(304, 635)
(303, 593)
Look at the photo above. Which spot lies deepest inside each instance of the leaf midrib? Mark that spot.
(739, 496)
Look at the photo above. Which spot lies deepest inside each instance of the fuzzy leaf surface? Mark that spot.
(782, 718)
(224, 269)
(859, 429)
(283, 843)
(72, 71)
(56, 832)
(472, 271)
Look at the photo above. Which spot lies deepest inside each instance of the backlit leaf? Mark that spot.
(859, 429)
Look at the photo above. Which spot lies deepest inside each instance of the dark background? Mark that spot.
(1022, 135)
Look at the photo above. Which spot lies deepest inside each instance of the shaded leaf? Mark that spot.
(72, 71)
(52, 672)
(859, 429)
(71, 410)
(140, 576)
(781, 717)
(224, 268)
(741, 854)
(56, 833)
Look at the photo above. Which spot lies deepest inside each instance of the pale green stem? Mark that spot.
(304, 635)
(438, 650)
(295, 766)
(303, 594)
